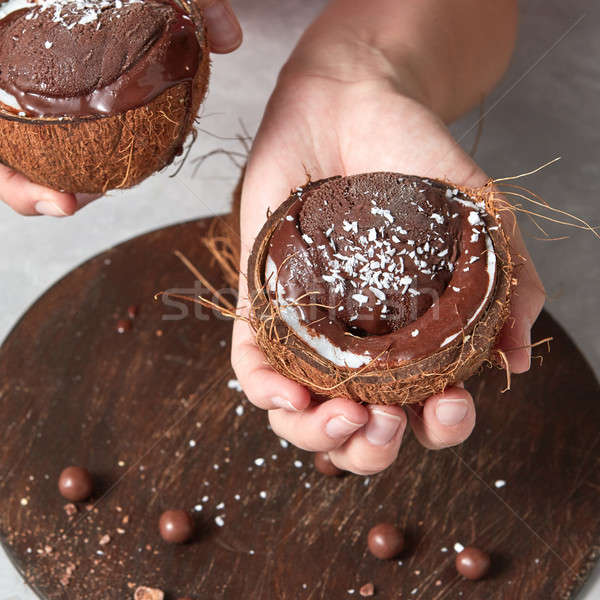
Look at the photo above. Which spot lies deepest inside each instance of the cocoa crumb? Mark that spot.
(367, 590)
(70, 509)
(66, 578)
(146, 593)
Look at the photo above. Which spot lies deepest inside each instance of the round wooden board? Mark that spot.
(153, 417)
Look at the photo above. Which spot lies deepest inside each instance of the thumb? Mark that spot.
(224, 31)
(29, 198)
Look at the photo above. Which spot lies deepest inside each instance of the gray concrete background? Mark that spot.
(547, 107)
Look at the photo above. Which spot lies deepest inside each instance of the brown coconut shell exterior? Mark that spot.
(410, 382)
(96, 154)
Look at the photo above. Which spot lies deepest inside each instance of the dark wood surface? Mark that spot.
(152, 416)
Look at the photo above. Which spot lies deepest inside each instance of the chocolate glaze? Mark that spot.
(454, 290)
(135, 52)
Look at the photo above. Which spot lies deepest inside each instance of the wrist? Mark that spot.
(448, 56)
(348, 55)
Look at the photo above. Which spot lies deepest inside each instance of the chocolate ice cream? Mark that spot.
(81, 57)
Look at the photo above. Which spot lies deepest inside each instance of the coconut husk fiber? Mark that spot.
(408, 382)
(223, 238)
(96, 154)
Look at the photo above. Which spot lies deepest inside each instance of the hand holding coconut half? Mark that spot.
(99, 94)
(343, 339)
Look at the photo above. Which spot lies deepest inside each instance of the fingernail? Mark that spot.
(283, 403)
(451, 411)
(382, 427)
(223, 28)
(340, 427)
(45, 207)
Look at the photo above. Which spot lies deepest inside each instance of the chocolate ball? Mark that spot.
(385, 541)
(473, 563)
(176, 526)
(75, 484)
(324, 465)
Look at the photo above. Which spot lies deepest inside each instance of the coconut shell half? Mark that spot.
(99, 153)
(408, 382)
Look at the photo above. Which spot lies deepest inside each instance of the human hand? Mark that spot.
(324, 126)
(30, 199)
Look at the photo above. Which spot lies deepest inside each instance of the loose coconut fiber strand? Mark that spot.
(223, 239)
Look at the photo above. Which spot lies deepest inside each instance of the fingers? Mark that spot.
(374, 447)
(264, 387)
(322, 426)
(527, 300)
(447, 419)
(30, 199)
(223, 28)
